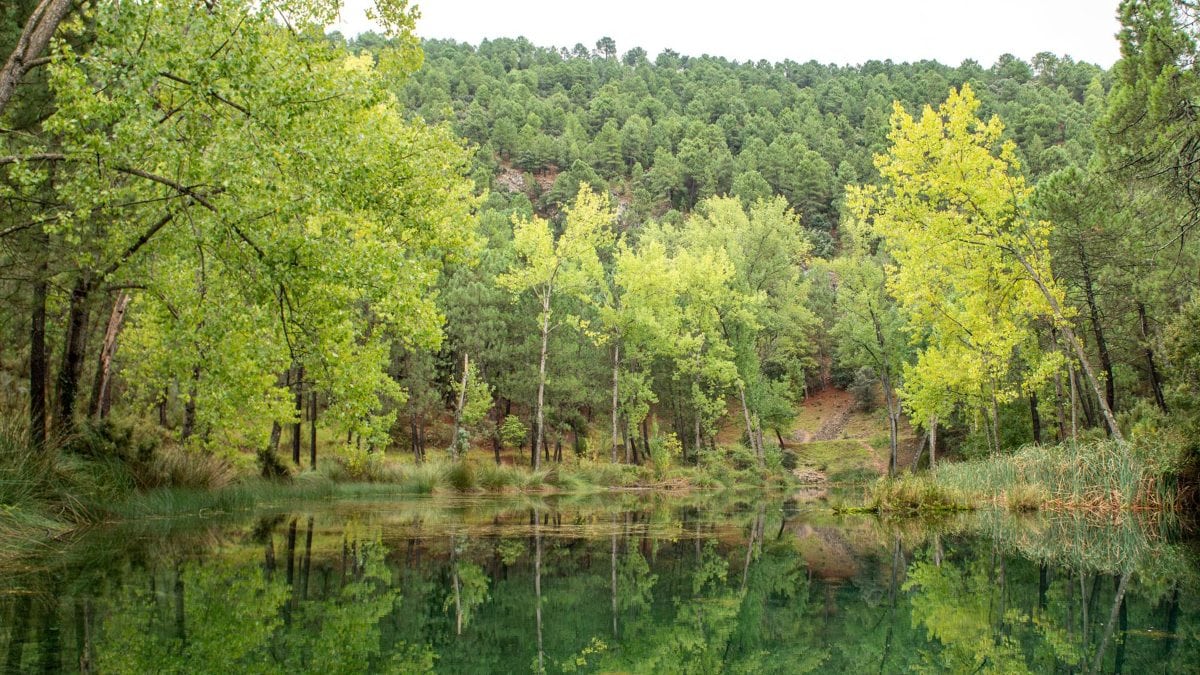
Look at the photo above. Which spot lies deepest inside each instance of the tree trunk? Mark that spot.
(1085, 402)
(1075, 344)
(298, 387)
(995, 412)
(74, 351)
(612, 566)
(458, 409)
(889, 397)
(616, 373)
(629, 452)
(1074, 407)
(496, 434)
(933, 425)
(189, 407)
(101, 385)
(541, 392)
(1098, 330)
(537, 589)
(291, 552)
(34, 39)
(1113, 616)
(37, 361)
(306, 564)
(312, 436)
(1035, 418)
(1155, 381)
(270, 465)
(412, 432)
(749, 428)
(1060, 408)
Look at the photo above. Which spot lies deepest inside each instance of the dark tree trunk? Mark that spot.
(306, 565)
(1155, 381)
(189, 428)
(1098, 330)
(268, 461)
(189, 407)
(291, 552)
(74, 351)
(312, 431)
(412, 432)
(1035, 418)
(298, 387)
(1085, 400)
(180, 608)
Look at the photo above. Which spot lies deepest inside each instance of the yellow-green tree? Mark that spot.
(550, 266)
(971, 262)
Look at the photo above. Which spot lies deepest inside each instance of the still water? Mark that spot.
(628, 583)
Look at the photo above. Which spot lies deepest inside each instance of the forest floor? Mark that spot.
(836, 441)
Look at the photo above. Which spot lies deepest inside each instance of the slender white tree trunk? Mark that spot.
(750, 438)
(616, 373)
(541, 394)
(458, 410)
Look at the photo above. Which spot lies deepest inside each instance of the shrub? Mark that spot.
(513, 432)
(664, 450)
(359, 465)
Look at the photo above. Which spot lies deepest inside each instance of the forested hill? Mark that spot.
(666, 133)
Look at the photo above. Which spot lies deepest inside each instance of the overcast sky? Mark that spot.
(829, 31)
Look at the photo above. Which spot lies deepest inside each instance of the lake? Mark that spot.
(637, 583)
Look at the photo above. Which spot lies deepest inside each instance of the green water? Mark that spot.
(706, 584)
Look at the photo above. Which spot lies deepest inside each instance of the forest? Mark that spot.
(236, 245)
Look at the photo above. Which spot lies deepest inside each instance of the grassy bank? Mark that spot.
(1099, 476)
(109, 473)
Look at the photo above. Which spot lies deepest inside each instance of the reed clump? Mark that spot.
(1100, 475)
(913, 494)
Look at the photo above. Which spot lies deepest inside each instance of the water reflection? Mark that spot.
(607, 586)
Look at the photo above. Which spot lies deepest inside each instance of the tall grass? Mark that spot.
(912, 494)
(1100, 475)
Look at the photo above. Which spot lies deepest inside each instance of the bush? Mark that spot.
(513, 432)
(359, 465)
(664, 450)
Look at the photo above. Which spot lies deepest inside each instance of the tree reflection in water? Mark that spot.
(514, 589)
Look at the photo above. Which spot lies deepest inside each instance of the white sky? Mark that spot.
(829, 31)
